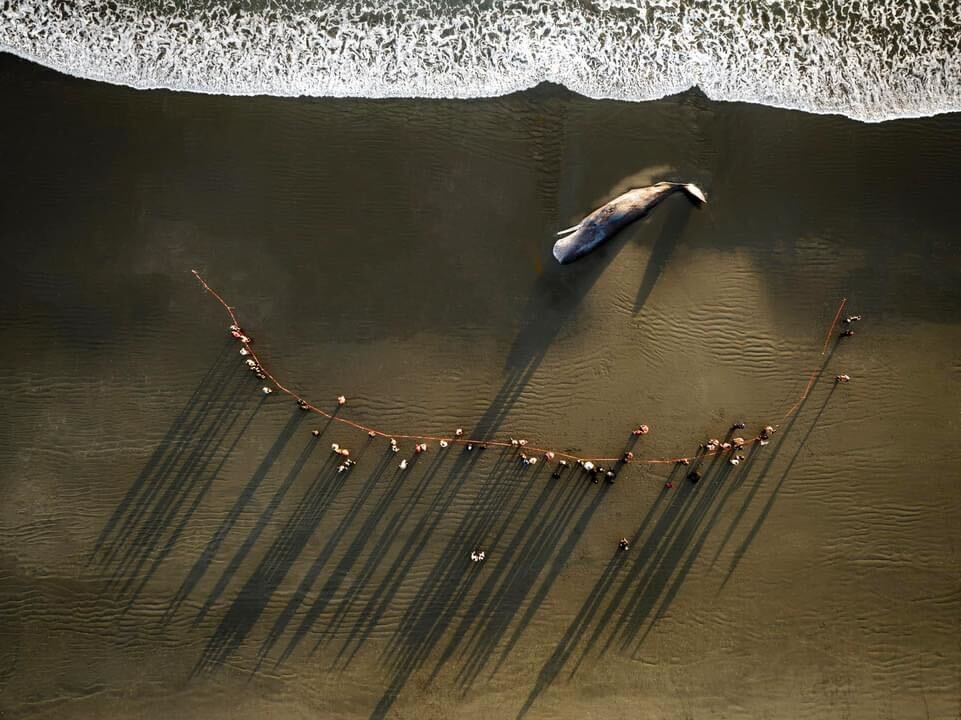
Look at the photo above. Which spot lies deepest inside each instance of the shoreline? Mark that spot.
(543, 86)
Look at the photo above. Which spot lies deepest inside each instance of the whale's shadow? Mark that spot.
(556, 296)
(677, 217)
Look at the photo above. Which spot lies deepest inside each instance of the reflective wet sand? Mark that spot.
(174, 544)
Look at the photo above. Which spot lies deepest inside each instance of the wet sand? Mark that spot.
(173, 544)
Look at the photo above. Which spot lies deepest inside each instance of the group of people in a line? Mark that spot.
(245, 340)
(735, 445)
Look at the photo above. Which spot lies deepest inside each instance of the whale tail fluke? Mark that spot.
(568, 231)
(695, 192)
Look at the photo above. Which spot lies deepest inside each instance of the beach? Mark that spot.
(175, 543)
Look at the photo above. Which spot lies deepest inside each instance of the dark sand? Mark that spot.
(172, 545)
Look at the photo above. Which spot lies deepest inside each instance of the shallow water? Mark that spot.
(173, 544)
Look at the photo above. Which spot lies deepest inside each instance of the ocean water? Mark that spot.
(867, 59)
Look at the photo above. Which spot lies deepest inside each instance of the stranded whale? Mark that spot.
(608, 219)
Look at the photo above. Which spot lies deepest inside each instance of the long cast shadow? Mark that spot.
(326, 553)
(489, 620)
(382, 599)
(749, 498)
(756, 528)
(677, 219)
(200, 566)
(548, 308)
(195, 503)
(170, 489)
(527, 569)
(392, 525)
(755, 486)
(254, 596)
(557, 565)
(167, 457)
(553, 301)
(670, 566)
(452, 577)
(184, 472)
(648, 557)
(532, 527)
(645, 560)
(667, 550)
(594, 602)
(263, 521)
(180, 428)
(440, 594)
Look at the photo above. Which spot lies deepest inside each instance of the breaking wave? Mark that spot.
(868, 59)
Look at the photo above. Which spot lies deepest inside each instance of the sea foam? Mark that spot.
(868, 59)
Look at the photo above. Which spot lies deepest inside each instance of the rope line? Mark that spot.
(837, 316)
(814, 373)
(375, 432)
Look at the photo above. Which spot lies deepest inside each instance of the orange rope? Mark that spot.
(827, 338)
(461, 440)
(814, 373)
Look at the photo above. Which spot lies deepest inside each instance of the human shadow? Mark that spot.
(195, 503)
(665, 583)
(438, 597)
(253, 598)
(479, 614)
(557, 294)
(555, 297)
(203, 562)
(599, 595)
(342, 570)
(742, 549)
(181, 428)
(669, 547)
(450, 580)
(652, 553)
(253, 536)
(536, 547)
(148, 523)
(542, 549)
(370, 615)
(145, 527)
(749, 497)
(391, 519)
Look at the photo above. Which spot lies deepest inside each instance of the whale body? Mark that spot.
(604, 222)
